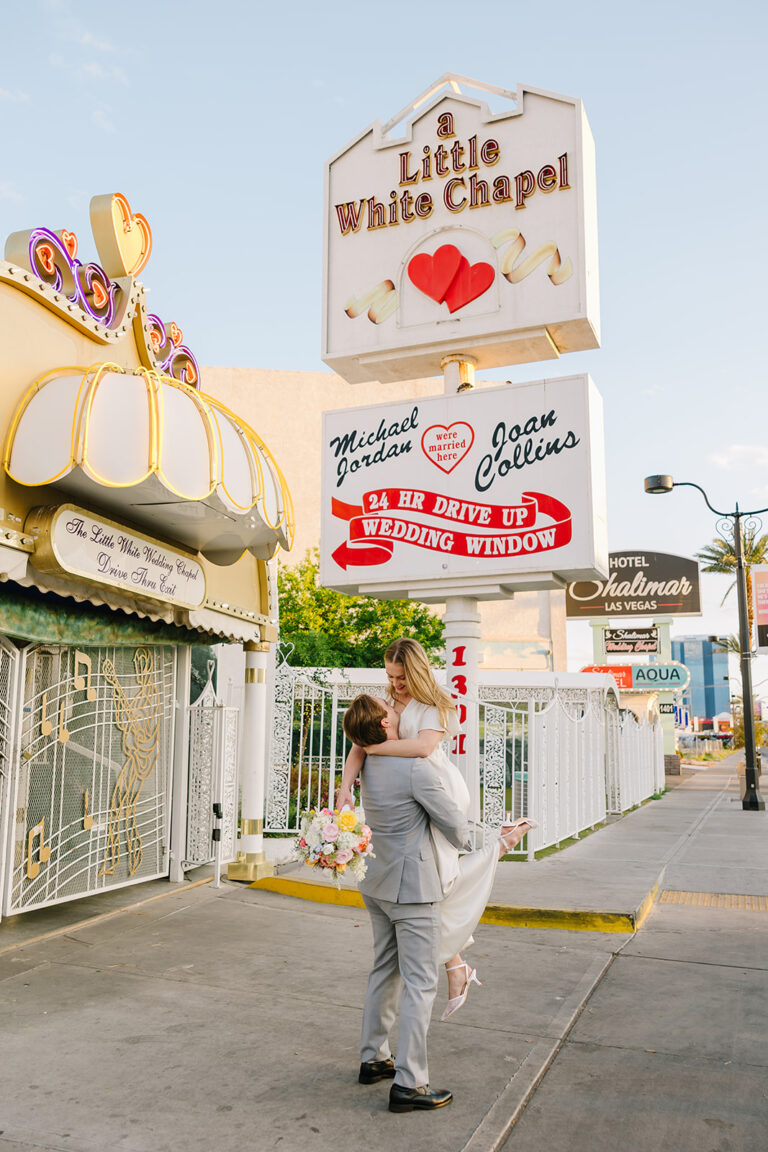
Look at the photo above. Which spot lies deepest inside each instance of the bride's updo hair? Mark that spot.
(419, 678)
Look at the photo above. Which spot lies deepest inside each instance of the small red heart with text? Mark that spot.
(447, 446)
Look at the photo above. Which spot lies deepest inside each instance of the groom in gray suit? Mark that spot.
(402, 893)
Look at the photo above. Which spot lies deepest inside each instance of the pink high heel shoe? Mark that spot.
(526, 823)
(456, 1002)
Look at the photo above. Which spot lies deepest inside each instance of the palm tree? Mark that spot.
(720, 556)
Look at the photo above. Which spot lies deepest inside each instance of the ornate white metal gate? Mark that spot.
(9, 662)
(212, 777)
(89, 786)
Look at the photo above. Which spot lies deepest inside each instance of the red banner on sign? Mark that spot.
(374, 530)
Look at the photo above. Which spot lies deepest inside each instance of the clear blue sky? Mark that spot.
(215, 120)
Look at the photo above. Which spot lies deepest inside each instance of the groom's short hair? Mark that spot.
(362, 721)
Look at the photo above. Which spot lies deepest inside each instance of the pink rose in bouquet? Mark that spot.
(334, 842)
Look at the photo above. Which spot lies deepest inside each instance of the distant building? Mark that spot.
(708, 694)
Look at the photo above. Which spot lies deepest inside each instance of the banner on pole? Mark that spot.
(759, 574)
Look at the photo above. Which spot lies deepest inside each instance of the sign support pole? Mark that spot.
(462, 633)
(598, 641)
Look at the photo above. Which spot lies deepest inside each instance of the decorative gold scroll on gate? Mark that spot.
(138, 718)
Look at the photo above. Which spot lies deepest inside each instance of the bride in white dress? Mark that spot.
(419, 715)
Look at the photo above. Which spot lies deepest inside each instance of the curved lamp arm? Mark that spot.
(688, 484)
(657, 485)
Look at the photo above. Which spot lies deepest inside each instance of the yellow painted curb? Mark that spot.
(307, 890)
(505, 915)
(571, 919)
(645, 907)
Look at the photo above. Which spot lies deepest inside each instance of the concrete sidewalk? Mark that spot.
(607, 882)
(230, 1017)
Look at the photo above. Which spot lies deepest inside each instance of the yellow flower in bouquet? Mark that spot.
(347, 821)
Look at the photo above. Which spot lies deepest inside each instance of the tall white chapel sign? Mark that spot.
(472, 232)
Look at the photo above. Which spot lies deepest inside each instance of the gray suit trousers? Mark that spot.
(406, 939)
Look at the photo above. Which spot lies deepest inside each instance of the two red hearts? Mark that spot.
(449, 277)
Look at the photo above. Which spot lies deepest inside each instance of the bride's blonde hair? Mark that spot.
(419, 678)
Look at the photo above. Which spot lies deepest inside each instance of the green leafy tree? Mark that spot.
(761, 728)
(330, 630)
(720, 556)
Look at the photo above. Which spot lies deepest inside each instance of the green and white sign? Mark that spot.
(671, 677)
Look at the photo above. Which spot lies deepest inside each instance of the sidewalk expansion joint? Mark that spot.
(102, 916)
(503, 915)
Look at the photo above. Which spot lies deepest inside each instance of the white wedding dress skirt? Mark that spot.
(466, 880)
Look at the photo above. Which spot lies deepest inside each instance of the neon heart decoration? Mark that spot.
(471, 281)
(176, 333)
(44, 254)
(433, 275)
(133, 235)
(446, 447)
(100, 297)
(123, 238)
(69, 240)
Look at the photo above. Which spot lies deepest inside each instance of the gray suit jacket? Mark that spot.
(401, 796)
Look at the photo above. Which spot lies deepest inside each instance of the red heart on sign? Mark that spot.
(470, 281)
(100, 297)
(44, 254)
(433, 275)
(69, 240)
(447, 447)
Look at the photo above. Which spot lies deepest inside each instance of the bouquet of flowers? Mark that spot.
(335, 841)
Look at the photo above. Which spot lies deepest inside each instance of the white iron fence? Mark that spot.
(212, 779)
(566, 756)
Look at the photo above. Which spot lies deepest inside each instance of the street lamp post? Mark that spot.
(751, 799)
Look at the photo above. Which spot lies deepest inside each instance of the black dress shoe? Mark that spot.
(371, 1071)
(407, 1099)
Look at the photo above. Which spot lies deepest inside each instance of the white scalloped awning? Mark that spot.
(158, 453)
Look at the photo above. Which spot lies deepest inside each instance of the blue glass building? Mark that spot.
(708, 693)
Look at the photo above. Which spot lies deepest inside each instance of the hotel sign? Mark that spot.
(669, 677)
(631, 641)
(463, 231)
(70, 541)
(639, 583)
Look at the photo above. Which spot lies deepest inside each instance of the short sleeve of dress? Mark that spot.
(430, 718)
